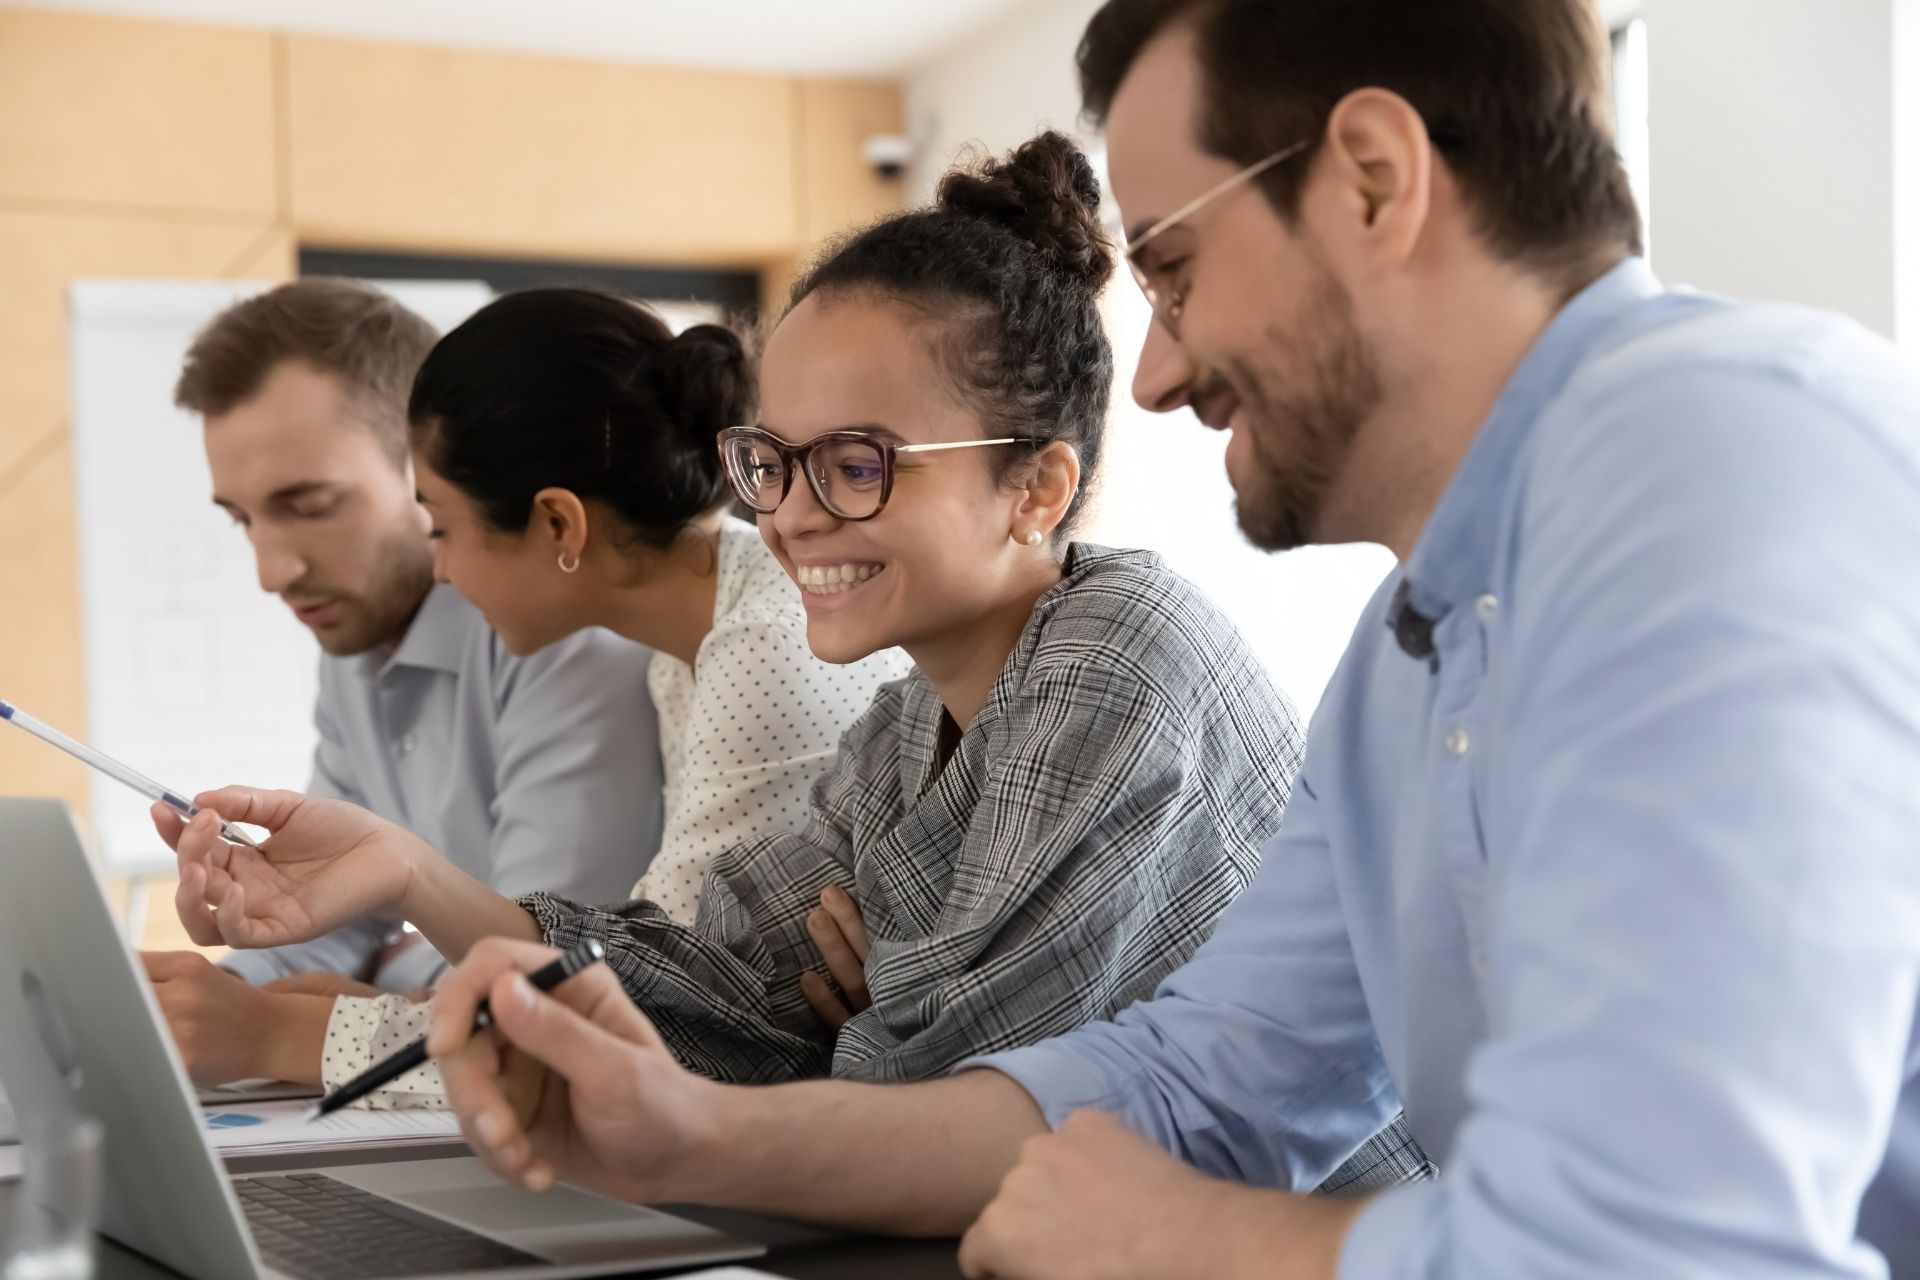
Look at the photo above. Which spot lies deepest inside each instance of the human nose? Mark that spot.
(278, 564)
(1164, 380)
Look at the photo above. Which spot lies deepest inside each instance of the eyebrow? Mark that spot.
(286, 494)
(867, 428)
(1140, 228)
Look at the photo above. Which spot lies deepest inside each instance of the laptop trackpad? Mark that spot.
(501, 1210)
(563, 1225)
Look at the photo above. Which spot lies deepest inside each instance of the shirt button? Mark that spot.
(1479, 964)
(406, 744)
(1486, 607)
(1458, 742)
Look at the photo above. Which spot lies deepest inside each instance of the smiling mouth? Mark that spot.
(317, 613)
(833, 579)
(1216, 412)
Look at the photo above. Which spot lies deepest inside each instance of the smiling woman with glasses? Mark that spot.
(1049, 815)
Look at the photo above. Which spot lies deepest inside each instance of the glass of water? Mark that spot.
(55, 1205)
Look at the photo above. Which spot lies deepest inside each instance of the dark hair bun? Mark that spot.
(1046, 193)
(706, 382)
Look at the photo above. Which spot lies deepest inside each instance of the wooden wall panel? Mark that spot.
(157, 115)
(41, 658)
(416, 148)
(131, 148)
(838, 188)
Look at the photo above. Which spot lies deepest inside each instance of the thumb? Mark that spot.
(579, 1045)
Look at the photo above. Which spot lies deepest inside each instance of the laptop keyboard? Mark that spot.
(319, 1228)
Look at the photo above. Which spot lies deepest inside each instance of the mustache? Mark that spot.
(1205, 384)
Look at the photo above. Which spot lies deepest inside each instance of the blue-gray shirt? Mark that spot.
(536, 773)
(1619, 889)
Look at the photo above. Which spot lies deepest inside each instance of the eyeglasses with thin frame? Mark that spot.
(850, 472)
(1168, 303)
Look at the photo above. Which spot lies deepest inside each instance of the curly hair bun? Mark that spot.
(1047, 193)
(706, 382)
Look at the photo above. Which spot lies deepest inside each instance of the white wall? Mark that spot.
(1906, 174)
(1008, 82)
(1772, 149)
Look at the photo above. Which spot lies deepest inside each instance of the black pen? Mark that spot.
(396, 1065)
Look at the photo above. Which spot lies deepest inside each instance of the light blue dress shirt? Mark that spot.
(535, 773)
(1618, 893)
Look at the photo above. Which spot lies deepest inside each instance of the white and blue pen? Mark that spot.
(114, 769)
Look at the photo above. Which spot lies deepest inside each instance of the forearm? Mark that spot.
(1254, 1234)
(296, 1035)
(919, 1159)
(453, 910)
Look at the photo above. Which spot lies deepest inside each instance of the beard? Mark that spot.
(403, 574)
(1302, 407)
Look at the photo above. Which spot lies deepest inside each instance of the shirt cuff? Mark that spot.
(1059, 1080)
(419, 966)
(255, 968)
(361, 1032)
(1394, 1234)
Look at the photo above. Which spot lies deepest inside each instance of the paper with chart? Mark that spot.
(281, 1128)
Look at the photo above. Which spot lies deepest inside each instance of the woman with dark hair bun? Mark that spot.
(1028, 833)
(564, 450)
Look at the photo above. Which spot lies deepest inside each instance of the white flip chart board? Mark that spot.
(194, 676)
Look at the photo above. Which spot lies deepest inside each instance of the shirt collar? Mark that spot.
(1454, 554)
(437, 636)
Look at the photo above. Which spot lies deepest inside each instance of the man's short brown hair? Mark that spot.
(1514, 94)
(352, 331)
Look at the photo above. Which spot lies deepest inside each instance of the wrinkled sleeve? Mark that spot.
(1094, 863)
(724, 990)
(1255, 1061)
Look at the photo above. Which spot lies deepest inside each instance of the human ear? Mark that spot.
(560, 518)
(1050, 480)
(1380, 161)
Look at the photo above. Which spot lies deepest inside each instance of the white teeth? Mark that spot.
(832, 579)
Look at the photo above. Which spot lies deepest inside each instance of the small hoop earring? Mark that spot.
(565, 567)
(1033, 537)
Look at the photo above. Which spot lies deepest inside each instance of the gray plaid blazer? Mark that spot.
(1094, 820)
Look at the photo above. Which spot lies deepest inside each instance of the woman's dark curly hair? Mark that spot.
(1009, 261)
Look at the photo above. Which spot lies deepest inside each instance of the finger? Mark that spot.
(846, 913)
(594, 994)
(190, 904)
(236, 930)
(461, 989)
(846, 968)
(981, 1247)
(269, 809)
(168, 824)
(825, 1003)
(163, 966)
(571, 1043)
(200, 841)
(471, 1075)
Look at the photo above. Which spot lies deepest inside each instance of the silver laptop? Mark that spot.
(79, 1030)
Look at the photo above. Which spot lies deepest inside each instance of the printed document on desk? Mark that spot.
(281, 1128)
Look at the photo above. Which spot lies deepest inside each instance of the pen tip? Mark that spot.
(313, 1113)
